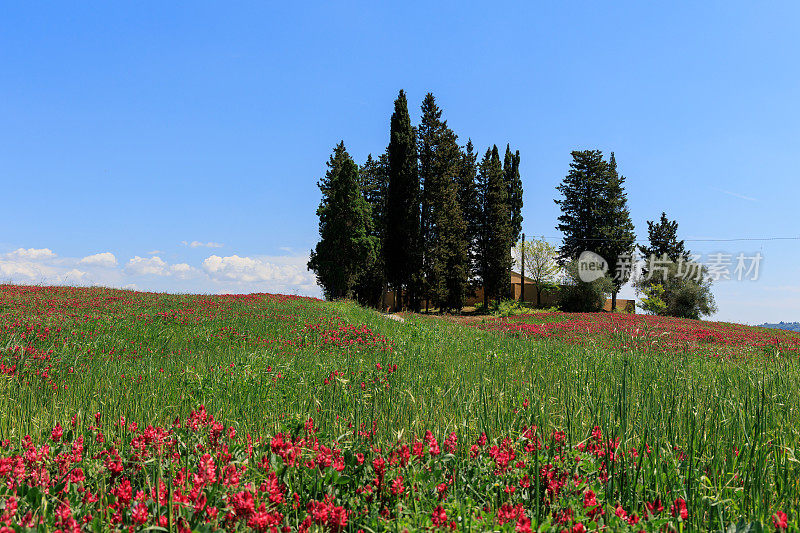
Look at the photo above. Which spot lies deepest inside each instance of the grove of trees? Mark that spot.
(430, 221)
(424, 219)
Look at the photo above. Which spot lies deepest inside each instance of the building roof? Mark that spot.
(515, 278)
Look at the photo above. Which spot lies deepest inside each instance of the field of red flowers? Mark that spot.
(197, 474)
(619, 330)
(135, 411)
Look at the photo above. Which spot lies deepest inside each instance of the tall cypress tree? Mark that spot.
(443, 228)
(374, 184)
(582, 206)
(618, 232)
(428, 138)
(514, 183)
(451, 229)
(346, 242)
(469, 199)
(495, 229)
(401, 248)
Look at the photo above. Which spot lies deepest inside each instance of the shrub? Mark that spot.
(578, 296)
(509, 308)
(680, 296)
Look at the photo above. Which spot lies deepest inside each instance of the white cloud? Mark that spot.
(12, 269)
(142, 266)
(19, 269)
(155, 266)
(72, 276)
(183, 271)
(155, 252)
(31, 254)
(285, 274)
(249, 270)
(105, 259)
(198, 244)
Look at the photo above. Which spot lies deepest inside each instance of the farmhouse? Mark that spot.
(548, 298)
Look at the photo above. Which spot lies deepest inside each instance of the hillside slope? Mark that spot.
(331, 415)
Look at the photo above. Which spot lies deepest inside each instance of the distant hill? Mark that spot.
(791, 326)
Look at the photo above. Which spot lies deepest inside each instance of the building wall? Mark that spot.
(549, 298)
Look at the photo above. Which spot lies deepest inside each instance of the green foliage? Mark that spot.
(440, 229)
(595, 214)
(507, 307)
(663, 240)
(444, 231)
(617, 232)
(469, 199)
(347, 245)
(540, 266)
(653, 301)
(514, 184)
(582, 216)
(686, 289)
(374, 184)
(578, 296)
(401, 247)
(494, 234)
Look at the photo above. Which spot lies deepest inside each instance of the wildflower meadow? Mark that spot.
(132, 411)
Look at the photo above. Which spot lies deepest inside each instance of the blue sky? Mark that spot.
(137, 131)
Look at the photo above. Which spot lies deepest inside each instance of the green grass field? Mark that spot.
(637, 424)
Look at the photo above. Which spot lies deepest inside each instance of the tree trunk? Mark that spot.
(522, 273)
(613, 301)
(538, 297)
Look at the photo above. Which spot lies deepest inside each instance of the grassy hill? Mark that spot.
(261, 411)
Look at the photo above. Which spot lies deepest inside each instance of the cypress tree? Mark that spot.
(582, 206)
(401, 247)
(514, 183)
(495, 228)
(443, 228)
(374, 183)
(618, 232)
(663, 237)
(428, 138)
(470, 202)
(346, 242)
(451, 229)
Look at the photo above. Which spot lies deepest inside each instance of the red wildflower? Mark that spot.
(140, 513)
(57, 433)
(679, 509)
(439, 516)
(780, 521)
